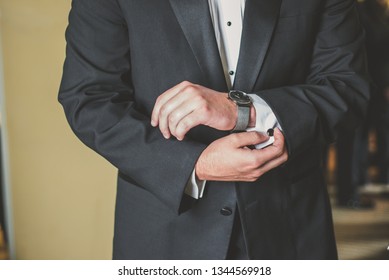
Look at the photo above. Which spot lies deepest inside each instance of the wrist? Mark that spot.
(243, 105)
(253, 117)
(233, 116)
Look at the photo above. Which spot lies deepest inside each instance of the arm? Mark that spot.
(98, 100)
(336, 92)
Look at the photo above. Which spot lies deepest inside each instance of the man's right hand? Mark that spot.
(230, 159)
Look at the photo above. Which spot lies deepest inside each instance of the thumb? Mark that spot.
(251, 138)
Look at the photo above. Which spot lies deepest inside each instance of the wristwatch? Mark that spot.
(243, 101)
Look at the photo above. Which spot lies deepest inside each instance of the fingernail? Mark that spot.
(153, 123)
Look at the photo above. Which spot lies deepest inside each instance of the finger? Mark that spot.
(174, 110)
(251, 138)
(277, 149)
(175, 118)
(177, 108)
(187, 123)
(171, 110)
(163, 98)
(185, 117)
(267, 154)
(279, 139)
(161, 101)
(272, 164)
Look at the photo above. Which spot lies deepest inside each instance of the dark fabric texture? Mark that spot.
(303, 57)
(353, 157)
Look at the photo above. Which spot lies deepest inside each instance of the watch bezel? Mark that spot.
(240, 97)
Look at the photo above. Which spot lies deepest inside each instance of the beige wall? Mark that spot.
(63, 193)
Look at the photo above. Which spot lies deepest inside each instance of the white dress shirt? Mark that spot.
(227, 18)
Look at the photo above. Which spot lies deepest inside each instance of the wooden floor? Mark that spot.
(363, 234)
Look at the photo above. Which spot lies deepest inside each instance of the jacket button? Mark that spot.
(226, 211)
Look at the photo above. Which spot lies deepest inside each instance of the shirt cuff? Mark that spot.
(265, 119)
(195, 187)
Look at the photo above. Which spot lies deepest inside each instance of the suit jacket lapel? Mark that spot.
(258, 25)
(196, 23)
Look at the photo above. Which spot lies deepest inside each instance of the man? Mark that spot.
(145, 85)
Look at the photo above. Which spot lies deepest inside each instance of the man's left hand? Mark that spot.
(187, 105)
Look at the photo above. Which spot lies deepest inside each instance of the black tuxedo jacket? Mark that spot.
(303, 57)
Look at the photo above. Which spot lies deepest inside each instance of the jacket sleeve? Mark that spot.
(98, 100)
(336, 91)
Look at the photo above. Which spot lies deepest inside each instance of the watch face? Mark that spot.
(240, 97)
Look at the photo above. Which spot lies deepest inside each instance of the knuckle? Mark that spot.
(205, 110)
(165, 110)
(255, 162)
(162, 111)
(198, 99)
(243, 169)
(279, 151)
(173, 117)
(234, 138)
(252, 177)
(256, 137)
(190, 88)
(185, 83)
(184, 125)
(258, 173)
(252, 165)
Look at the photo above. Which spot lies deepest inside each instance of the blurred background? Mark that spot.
(57, 196)
(61, 193)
